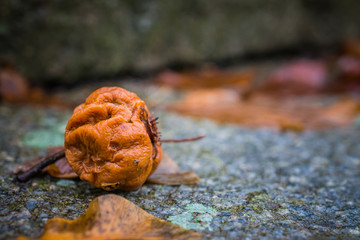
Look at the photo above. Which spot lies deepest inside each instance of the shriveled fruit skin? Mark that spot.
(107, 142)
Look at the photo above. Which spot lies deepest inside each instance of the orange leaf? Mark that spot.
(61, 169)
(267, 110)
(206, 78)
(341, 113)
(168, 173)
(113, 217)
(224, 106)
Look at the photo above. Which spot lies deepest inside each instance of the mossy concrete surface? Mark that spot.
(255, 184)
(63, 41)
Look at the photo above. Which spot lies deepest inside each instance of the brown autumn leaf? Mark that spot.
(61, 169)
(113, 217)
(340, 113)
(225, 106)
(168, 173)
(174, 179)
(206, 78)
(292, 113)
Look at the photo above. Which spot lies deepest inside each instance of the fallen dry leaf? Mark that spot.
(174, 179)
(256, 112)
(61, 169)
(340, 113)
(168, 173)
(167, 165)
(113, 217)
(265, 110)
(294, 97)
(206, 78)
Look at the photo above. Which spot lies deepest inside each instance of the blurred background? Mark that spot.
(273, 84)
(240, 54)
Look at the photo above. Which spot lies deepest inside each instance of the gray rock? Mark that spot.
(43, 215)
(65, 183)
(255, 184)
(31, 204)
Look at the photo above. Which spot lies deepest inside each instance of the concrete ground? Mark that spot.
(255, 184)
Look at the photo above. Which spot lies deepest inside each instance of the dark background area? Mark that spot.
(69, 42)
(274, 85)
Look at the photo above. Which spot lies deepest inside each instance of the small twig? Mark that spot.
(38, 167)
(181, 140)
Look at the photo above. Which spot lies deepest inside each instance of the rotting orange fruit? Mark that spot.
(112, 141)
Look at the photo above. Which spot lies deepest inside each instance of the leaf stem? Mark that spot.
(181, 140)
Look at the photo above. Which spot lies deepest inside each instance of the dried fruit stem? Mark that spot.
(181, 140)
(38, 167)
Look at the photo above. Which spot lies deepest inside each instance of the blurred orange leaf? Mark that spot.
(302, 76)
(265, 110)
(113, 217)
(340, 113)
(206, 78)
(167, 173)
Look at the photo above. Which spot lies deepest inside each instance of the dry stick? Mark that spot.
(38, 167)
(181, 140)
(56, 156)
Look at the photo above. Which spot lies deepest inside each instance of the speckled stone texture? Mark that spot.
(255, 184)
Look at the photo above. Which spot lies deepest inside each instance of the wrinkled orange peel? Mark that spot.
(111, 140)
